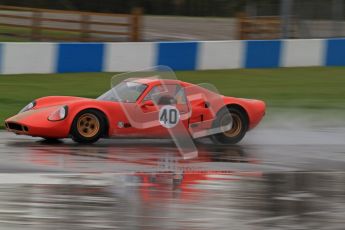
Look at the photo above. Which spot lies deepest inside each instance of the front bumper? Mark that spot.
(35, 123)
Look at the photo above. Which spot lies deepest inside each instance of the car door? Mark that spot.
(202, 103)
(160, 96)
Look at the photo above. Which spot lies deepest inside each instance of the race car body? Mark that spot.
(132, 109)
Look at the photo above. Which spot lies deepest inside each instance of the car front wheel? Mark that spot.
(87, 126)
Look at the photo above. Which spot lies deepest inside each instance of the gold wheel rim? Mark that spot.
(88, 125)
(236, 126)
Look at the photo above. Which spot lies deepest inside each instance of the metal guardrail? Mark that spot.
(82, 26)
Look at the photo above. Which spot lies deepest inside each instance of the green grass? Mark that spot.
(316, 88)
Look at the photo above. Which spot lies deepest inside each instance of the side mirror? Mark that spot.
(147, 103)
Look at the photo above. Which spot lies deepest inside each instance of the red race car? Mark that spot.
(132, 109)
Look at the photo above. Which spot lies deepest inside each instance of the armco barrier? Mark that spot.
(42, 57)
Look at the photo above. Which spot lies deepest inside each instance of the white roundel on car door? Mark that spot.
(169, 116)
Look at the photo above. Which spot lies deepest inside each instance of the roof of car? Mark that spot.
(154, 80)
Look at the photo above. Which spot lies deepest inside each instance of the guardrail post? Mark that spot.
(36, 26)
(135, 24)
(285, 11)
(241, 26)
(84, 27)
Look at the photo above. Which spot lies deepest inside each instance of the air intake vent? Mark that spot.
(18, 127)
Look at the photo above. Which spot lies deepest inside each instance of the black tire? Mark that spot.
(239, 126)
(88, 126)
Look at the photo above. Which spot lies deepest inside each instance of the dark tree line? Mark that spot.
(218, 8)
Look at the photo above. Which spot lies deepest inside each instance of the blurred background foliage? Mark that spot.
(317, 9)
(220, 8)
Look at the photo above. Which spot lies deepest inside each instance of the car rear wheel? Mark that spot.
(238, 129)
(87, 126)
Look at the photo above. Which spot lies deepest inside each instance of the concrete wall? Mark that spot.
(18, 58)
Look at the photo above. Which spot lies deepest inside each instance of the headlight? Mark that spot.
(59, 114)
(28, 107)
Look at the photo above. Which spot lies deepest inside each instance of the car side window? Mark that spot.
(173, 90)
(181, 96)
(155, 90)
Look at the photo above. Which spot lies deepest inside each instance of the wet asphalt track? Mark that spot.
(291, 179)
(265, 150)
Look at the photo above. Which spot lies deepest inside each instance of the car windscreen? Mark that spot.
(125, 91)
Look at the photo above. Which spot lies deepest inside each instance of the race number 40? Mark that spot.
(169, 116)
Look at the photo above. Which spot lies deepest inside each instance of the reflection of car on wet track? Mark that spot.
(133, 109)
